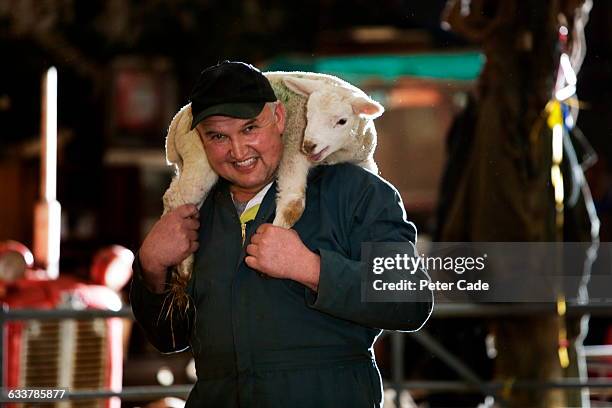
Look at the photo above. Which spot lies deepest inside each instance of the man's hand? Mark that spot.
(172, 239)
(280, 253)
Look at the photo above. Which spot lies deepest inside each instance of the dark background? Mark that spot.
(109, 200)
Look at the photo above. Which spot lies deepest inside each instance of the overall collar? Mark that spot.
(266, 210)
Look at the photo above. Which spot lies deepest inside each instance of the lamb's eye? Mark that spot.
(341, 122)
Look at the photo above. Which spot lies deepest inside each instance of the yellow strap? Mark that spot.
(249, 214)
(555, 115)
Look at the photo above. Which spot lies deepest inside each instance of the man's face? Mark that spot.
(246, 152)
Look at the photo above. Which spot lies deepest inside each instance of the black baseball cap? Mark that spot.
(230, 88)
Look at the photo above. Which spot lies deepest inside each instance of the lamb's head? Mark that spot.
(334, 113)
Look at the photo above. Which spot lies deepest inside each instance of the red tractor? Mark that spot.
(63, 353)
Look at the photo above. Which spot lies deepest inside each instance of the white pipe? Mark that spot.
(50, 134)
(48, 212)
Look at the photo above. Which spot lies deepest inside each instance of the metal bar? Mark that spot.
(397, 357)
(147, 392)
(456, 386)
(598, 351)
(127, 393)
(458, 310)
(441, 310)
(132, 393)
(496, 385)
(53, 314)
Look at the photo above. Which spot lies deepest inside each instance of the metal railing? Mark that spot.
(127, 393)
(471, 381)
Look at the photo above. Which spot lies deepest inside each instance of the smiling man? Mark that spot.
(246, 152)
(276, 318)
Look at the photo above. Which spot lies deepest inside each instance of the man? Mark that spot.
(277, 318)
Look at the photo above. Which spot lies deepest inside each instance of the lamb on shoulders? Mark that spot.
(328, 121)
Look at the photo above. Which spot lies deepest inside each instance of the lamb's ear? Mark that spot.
(366, 107)
(302, 86)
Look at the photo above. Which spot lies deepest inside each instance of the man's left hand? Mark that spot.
(280, 253)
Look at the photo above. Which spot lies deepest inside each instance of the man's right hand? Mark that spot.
(172, 239)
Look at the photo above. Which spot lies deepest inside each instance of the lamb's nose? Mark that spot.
(308, 147)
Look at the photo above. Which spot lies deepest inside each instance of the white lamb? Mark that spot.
(328, 121)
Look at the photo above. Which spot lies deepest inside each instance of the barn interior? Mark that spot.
(496, 130)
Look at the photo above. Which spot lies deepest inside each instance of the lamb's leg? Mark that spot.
(291, 197)
(185, 268)
(195, 182)
(171, 197)
(196, 195)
